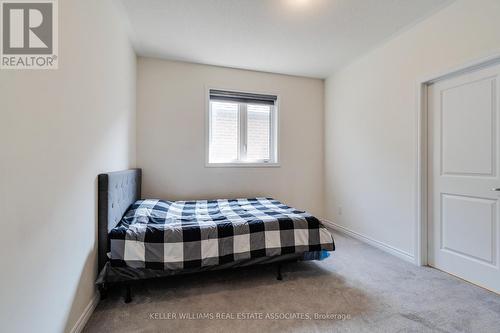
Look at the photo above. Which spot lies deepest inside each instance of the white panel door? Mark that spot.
(464, 177)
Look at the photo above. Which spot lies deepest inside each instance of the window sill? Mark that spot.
(242, 165)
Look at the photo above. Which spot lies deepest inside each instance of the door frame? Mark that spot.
(421, 221)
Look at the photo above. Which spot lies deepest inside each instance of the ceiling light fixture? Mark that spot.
(298, 3)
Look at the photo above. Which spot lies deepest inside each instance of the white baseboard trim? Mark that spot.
(379, 245)
(89, 309)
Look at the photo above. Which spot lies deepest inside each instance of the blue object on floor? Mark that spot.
(316, 255)
(324, 254)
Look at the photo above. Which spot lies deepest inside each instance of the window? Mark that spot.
(242, 129)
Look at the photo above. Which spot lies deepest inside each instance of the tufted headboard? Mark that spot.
(116, 192)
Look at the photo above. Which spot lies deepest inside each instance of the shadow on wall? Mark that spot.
(75, 311)
(85, 289)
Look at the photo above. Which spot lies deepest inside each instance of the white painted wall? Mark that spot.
(58, 130)
(371, 119)
(171, 104)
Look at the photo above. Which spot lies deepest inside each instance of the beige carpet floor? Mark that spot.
(358, 289)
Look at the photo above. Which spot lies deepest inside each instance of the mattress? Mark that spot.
(178, 235)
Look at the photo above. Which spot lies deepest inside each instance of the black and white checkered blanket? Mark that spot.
(174, 235)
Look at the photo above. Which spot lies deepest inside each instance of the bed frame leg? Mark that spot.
(103, 291)
(279, 276)
(128, 293)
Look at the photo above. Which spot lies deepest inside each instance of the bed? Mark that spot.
(149, 238)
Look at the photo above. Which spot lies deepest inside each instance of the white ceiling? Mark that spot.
(297, 37)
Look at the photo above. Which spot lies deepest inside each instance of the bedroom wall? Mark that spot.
(58, 130)
(371, 119)
(171, 104)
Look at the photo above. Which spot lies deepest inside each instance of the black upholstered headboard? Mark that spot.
(117, 191)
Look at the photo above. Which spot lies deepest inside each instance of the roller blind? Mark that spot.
(241, 97)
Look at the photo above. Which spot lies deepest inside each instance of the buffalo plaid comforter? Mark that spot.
(174, 235)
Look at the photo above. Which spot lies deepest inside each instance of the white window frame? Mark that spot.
(242, 133)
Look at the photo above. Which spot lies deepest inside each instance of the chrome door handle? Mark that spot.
(496, 189)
